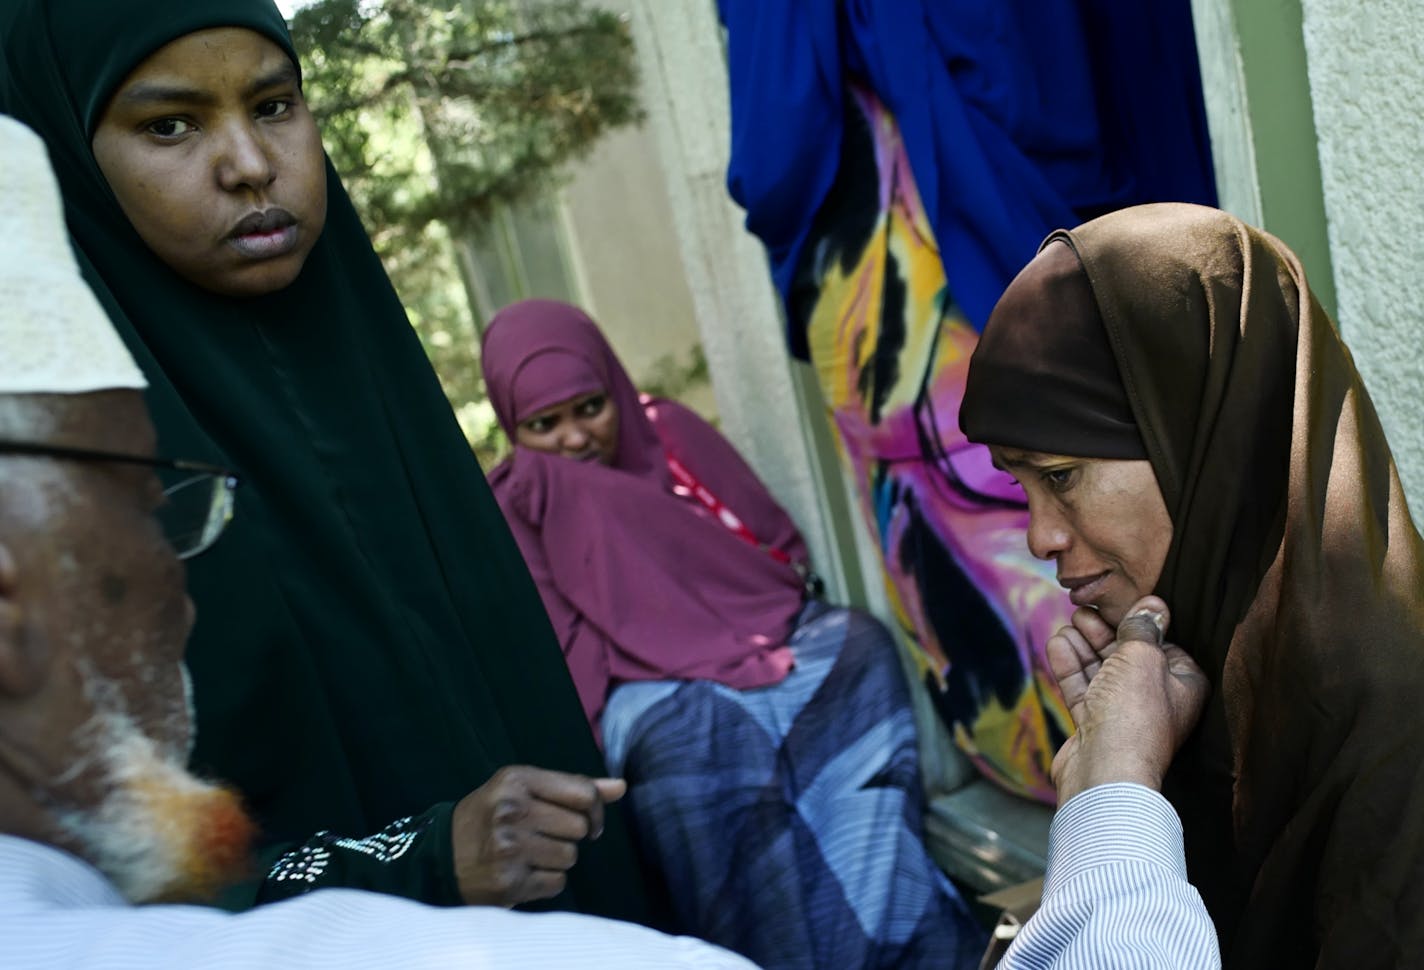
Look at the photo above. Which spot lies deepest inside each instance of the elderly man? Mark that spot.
(97, 809)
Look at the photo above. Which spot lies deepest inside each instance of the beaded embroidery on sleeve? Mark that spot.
(308, 861)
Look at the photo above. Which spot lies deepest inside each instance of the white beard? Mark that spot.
(146, 833)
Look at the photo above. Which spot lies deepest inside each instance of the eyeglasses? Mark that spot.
(198, 497)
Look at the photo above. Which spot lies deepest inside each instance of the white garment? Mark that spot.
(1116, 893)
(59, 913)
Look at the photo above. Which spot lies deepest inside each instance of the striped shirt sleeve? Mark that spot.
(1116, 895)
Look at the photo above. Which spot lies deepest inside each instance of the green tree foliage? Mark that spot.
(436, 113)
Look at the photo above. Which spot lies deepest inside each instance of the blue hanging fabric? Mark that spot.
(1019, 117)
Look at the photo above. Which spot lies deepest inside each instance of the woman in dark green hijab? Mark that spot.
(369, 650)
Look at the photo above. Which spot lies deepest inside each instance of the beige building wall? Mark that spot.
(1366, 71)
(622, 249)
(1316, 110)
(624, 255)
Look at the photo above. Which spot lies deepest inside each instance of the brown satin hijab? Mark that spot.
(1295, 579)
(1045, 344)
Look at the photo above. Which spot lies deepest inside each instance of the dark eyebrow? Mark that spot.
(160, 93)
(1009, 464)
(146, 93)
(286, 74)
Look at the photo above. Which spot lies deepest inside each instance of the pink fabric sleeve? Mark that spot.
(586, 650)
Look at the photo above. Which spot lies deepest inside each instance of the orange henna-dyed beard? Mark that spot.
(158, 832)
(202, 838)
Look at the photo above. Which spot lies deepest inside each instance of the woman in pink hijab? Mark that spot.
(766, 737)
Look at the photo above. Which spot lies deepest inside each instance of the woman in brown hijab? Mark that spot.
(1186, 421)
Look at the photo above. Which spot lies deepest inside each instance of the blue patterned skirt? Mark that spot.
(787, 819)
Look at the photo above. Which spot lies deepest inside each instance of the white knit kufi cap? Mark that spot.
(54, 336)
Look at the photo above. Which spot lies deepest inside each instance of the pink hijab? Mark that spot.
(641, 582)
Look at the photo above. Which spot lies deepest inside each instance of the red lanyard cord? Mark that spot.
(687, 485)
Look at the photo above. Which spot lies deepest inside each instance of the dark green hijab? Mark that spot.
(369, 643)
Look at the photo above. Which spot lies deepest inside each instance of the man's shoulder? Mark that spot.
(33, 873)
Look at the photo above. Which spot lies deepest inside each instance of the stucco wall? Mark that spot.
(625, 254)
(1366, 69)
(622, 249)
